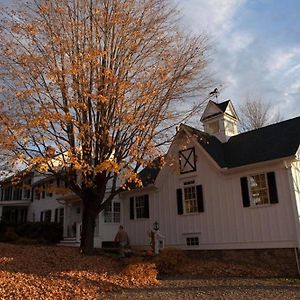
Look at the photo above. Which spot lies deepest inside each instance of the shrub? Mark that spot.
(41, 232)
(170, 260)
(48, 232)
(9, 234)
(140, 273)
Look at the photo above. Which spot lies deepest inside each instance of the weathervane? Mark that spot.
(215, 93)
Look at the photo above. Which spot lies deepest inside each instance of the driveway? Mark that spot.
(220, 288)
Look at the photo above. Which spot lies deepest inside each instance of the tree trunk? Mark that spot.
(88, 228)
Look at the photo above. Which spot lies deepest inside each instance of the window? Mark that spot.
(192, 241)
(17, 194)
(112, 213)
(47, 216)
(258, 189)
(37, 193)
(59, 215)
(7, 195)
(190, 198)
(187, 160)
(27, 188)
(214, 127)
(139, 207)
(49, 189)
(190, 201)
(230, 127)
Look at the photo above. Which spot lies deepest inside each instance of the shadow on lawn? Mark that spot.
(42, 260)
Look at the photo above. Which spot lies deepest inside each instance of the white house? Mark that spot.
(40, 198)
(218, 190)
(222, 190)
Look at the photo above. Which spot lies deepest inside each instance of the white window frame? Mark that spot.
(140, 208)
(230, 127)
(192, 241)
(188, 186)
(263, 189)
(214, 127)
(110, 215)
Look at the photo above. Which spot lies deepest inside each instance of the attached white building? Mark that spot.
(223, 190)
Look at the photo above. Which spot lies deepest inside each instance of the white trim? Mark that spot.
(252, 205)
(294, 205)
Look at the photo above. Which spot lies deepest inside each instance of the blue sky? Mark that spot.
(256, 48)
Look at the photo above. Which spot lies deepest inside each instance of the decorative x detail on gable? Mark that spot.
(187, 160)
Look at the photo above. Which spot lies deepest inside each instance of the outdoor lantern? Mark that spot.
(156, 226)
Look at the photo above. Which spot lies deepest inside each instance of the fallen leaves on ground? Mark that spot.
(49, 272)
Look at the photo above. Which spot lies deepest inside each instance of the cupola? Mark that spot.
(220, 120)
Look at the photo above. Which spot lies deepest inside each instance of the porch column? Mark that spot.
(67, 214)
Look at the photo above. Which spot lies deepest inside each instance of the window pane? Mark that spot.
(117, 212)
(190, 200)
(107, 214)
(258, 189)
(140, 206)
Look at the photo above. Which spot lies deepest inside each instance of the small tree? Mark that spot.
(256, 114)
(96, 84)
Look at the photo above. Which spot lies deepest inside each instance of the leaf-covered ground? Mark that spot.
(49, 272)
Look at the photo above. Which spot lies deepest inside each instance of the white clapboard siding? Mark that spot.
(225, 223)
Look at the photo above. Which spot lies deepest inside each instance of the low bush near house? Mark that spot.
(140, 273)
(170, 260)
(41, 232)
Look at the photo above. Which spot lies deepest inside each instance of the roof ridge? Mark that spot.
(264, 127)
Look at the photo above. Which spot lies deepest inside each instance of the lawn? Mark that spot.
(51, 272)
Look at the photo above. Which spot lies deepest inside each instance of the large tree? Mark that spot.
(92, 87)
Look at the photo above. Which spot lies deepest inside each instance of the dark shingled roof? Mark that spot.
(267, 143)
(148, 174)
(222, 105)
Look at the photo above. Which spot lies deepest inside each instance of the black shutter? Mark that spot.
(179, 201)
(56, 215)
(32, 194)
(42, 217)
(146, 207)
(245, 191)
(272, 187)
(200, 202)
(131, 208)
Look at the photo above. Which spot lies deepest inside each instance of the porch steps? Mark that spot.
(69, 242)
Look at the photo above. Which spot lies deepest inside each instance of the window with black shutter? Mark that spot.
(190, 198)
(139, 207)
(259, 189)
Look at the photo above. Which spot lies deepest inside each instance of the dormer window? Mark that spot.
(214, 127)
(187, 160)
(230, 127)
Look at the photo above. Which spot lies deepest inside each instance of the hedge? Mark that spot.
(40, 231)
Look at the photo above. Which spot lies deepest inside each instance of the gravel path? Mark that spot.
(224, 288)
